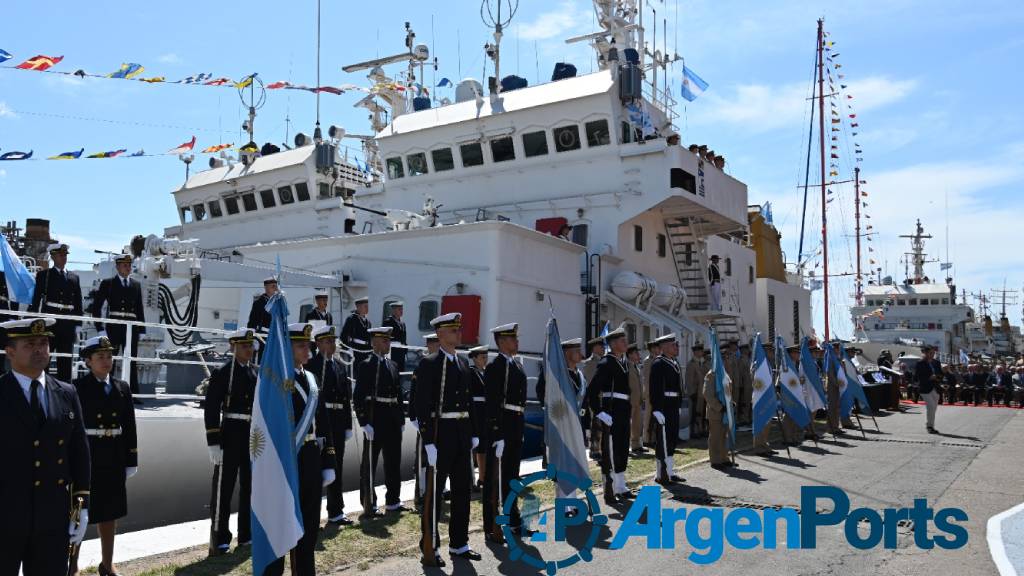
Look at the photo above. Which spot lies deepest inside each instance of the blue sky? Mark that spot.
(936, 87)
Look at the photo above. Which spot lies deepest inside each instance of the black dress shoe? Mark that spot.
(610, 499)
(523, 532)
(719, 466)
(467, 555)
(627, 495)
(398, 509)
(933, 431)
(677, 478)
(375, 513)
(436, 562)
(340, 521)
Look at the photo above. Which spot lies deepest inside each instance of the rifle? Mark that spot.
(76, 517)
(429, 497)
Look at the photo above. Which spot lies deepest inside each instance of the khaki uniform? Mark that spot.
(695, 372)
(790, 431)
(638, 405)
(717, 432)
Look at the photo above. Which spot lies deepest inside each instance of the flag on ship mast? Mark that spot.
(693, 85)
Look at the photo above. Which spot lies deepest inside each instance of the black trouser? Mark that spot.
(617, 438)
(454, 448)
(236, 464)
(512, 430)
(387, 438)
(310, 488)
(37, 554)
(64, 341)
(1001, 392)
(666, 436)
(335, 490)
(116, 333)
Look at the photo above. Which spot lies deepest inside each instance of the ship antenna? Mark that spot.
(490, 13)
(317, 135)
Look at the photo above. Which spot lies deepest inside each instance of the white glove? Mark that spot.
(415, 425)
(659, 417)
(431, 454)
(476, 442)
(77, 533)
(604, 417)
(499, 448)
(130, 471)
(368, 432)
(216, 455)
(348, 434)
(328, 476)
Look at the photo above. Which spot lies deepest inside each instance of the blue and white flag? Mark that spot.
(444, 82)
(563, 433)
(815, 398)
(604, 331)
(4, 56)
(693, 85)
(20, 282)
(964, 358)
(639, 116)
(854, 386)
(833, 365)
(791, 387)
(723, 388)
(765, 403)
(276, 517)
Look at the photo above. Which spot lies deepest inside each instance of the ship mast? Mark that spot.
(821, 128)
(916, 253)
(856, 212)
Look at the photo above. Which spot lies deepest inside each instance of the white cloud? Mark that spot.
(5, 111)
(170, 58)
(566, 17)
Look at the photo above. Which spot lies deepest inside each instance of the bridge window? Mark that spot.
(597, 133)
(395, 168)
(199, 211)
(302, 191)
(428, 311)
(535, 143)
(285, 193)
(249, 201)
(680, 178)
(567, 138)
(324, 191)
(579, 234)
(443, 159)
(186, 214)
(472, 154)
(231, 202)
(638, 238)
(215, 211)
(267, 196)
(502, 149)
(662, 245)
(417, 163)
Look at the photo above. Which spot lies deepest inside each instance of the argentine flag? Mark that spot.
(693, 85)
(276, 518)
(765, 403)
(20, 282)
(854, 388)
(563, 434)
(814, 391)
(792, 388)
(834, 364)
(964, 358)
(723, 388)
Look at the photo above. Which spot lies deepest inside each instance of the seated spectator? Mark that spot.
(999, 386)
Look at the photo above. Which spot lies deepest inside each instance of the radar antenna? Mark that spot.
(490, 13)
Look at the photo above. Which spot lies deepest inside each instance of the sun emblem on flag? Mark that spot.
(759, 384)
(288, 384)
(257, 442)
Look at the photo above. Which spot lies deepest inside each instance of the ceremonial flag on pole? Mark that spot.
(20, 282)
(127, 71)
(693, 85)
(604, 331)
(832, 364)
(5, 56)
(276, 517)
(723, 388)
(765, 403)
(854, 386)
(40, 63)
(67, 155)
(15, 155)
(563, 434)
(964, 358)
(791, 386)
(187, 146)
(816, 399)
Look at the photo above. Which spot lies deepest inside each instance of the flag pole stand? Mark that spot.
(859, 425)
(785, 440)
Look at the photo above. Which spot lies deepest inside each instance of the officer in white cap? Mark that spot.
(355, 334)
(608, 392)
(336, 396)
(666, 395)
(58, 291)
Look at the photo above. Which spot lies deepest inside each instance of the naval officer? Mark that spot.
(319, 312)
(666, 390)
(355, 334)
(58, 291)
(398, 334)
(123, 297)
(609, 400)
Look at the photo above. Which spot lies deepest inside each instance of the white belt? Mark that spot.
(618, 395)
(309, 438)
(335, 405)
(513, 407)
(385, 400)
(454, 415)
(236, 416)
(121, 314)
(103, 432)
(479, 399)
(60, 306)
(671, 394)
(358, 341)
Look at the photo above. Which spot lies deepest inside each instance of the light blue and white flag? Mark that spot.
(792, 388)
(810, 377)
(833, 364)
(563, 434)
(276, 517)
(964, 358)
(693, 85)
(723, 388)
(854, 387)
(20, 282)
(765, 403)
(444, 82)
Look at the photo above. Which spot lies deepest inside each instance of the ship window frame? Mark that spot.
(249, 199)
(470, 146)
(263, 198)
(912, 302)
(231, 205)
(425, 315)
(421, 159)
(638, 238)
(728, 266)
(935, 301)
(323, 191)
(532, 150)
(285, 195)
(213, 208)
(581, 233)
(386, 311)
(593, 129)
(199, 212)
(556, 135)
(186, 214)
(394, 167)
(449, 162)
(503, 149)
(662, 245)
(302, 191)
(945, 301)
(925, 302)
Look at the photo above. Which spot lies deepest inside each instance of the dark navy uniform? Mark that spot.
(336, 397)
(46, 464)
(377, 400)
(228, 415)
(608, 392)
(356, 335)
(316, 314)
(59, 293)
(505, 390)
(123, 297)
(398, 334)
(666, 393)
(113, 444)
(477, 389)
(259, 318)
